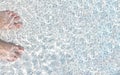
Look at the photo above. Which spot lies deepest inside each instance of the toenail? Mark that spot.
(13, 15)
(18, 24)
(17, 53)
(21, 48)
(17, 17)
(15, 56)
(10, 60)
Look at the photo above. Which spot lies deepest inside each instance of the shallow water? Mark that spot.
(65, 37)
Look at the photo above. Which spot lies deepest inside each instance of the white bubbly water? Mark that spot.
(65, 37)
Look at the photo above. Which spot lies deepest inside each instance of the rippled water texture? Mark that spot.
(65, 37)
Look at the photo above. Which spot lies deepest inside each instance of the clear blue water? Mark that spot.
(65, 37)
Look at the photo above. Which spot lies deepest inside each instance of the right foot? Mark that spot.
(9, 20)
(10, 51)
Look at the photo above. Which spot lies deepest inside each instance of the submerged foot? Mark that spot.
(9, 20)
(10, 51)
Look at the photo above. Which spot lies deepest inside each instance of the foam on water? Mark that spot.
(65, 37)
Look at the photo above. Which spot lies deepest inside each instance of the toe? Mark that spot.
(7, 11)
(18, 25)
(17, 18)
(10, 13)
(12, 16)
(14, 55)
(12, 58)
(15, 25)
(20, 48)
(19, 51)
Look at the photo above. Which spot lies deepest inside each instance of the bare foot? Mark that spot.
(9, 20)
(10, 51)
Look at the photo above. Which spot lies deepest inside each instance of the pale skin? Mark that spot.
(9, 51)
